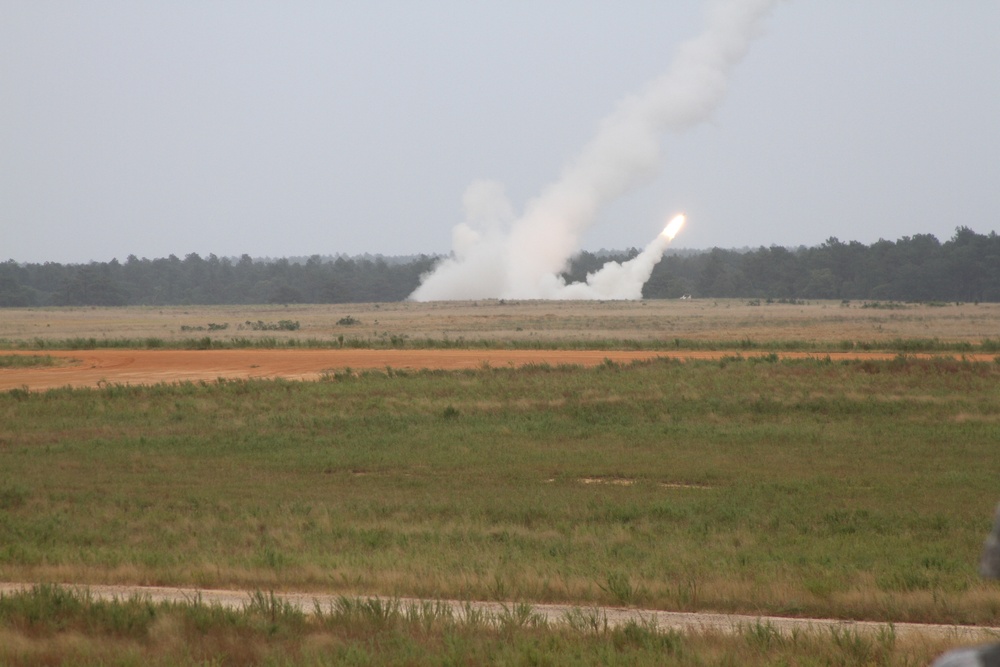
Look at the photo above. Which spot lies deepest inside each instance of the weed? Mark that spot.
(592, 621)
(497, 590)
(850, 641)
(474, 617)
(429, 615)
(518, 616)
(19, 393)
(280, 325)
(12, 496)
(644, 634)
(621, 589)
(762, 636)
(686, 592)
(26, 360)
(884, 305)
(46, 610)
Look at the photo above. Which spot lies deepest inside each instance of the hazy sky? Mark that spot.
(293, 128)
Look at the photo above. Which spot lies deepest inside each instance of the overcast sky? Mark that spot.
(297, 128)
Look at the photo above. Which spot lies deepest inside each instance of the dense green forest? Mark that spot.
(913, 268)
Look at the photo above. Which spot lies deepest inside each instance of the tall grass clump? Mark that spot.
(51, 625)
(47, 610)
(26, 361)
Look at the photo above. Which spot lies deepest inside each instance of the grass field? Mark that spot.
(817, 324)
(858, 490)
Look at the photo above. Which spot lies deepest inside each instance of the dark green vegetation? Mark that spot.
(399, 342)
(211, 280)
(859, 489)
(26, 360)
(918, 268)
(50, 625)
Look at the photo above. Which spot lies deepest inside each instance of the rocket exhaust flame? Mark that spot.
(674, 227)
(497, 254)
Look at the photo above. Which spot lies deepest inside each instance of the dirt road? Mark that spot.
(91, 368)
(616, 616)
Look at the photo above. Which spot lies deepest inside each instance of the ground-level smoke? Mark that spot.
(498, 254)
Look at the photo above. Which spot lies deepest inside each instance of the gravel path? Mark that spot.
(554, 613)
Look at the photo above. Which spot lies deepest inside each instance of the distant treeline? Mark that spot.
(210, 280)
(914, 268)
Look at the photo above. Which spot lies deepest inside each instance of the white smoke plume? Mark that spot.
(498, 255)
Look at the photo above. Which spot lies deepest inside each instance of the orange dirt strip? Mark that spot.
(92, 368)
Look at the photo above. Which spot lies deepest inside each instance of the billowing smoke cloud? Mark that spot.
(498, 255)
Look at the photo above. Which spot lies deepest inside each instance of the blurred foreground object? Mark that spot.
(989, 564)
(987, 655)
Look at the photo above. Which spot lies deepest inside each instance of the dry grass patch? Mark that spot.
(48, 625)
(526, 322)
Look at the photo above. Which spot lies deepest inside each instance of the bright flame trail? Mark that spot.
(674, 227)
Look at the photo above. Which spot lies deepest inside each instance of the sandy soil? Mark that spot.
(93, 368)
(616, 616)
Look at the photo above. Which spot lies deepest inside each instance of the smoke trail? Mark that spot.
(523, 258)
(625, 280)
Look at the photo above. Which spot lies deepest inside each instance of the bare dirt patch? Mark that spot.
(98, 367)
(615, 481)
(94, 368)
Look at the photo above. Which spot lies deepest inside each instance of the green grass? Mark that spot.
(50, 625)
(858, 489)
(27, 360)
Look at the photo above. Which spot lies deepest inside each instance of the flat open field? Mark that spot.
(853, 489)
(527, 321)
(800, 484)
(395, 336)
